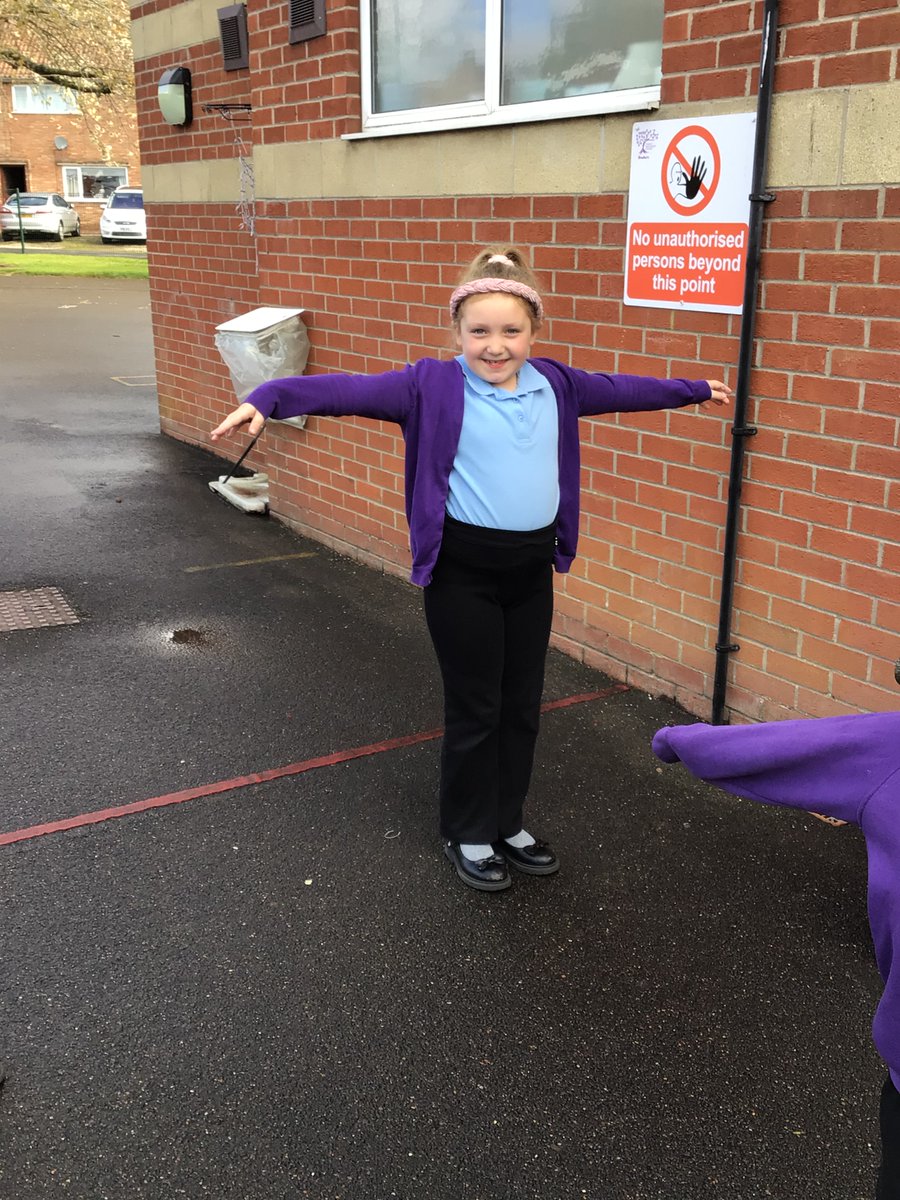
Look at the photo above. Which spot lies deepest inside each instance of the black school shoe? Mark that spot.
(536, 859)
(487, 875)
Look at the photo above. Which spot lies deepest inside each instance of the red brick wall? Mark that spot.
(817, 610)
(210, 134)
(310, 90)
(711, 51)
(194, 286)
(299, 92)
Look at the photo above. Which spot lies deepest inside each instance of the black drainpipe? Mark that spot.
(741, 430)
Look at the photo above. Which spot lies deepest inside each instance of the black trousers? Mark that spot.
(889, 1175)
(489, 608)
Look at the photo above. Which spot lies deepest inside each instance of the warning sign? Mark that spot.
(689, 212)
(688, 181)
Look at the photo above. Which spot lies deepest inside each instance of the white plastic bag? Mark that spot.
(253, 358)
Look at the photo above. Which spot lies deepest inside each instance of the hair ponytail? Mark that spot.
(513, 274)
(489, 264)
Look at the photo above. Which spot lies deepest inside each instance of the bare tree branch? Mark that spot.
(82, 79)
(84, 45)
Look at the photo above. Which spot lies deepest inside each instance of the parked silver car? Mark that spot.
(42, 212)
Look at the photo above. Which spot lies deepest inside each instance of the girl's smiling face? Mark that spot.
(495, 333)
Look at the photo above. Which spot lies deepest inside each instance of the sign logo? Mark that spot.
(646, 139)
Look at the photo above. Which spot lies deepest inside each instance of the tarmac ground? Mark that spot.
(221, 983)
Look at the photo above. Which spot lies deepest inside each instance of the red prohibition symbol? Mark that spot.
(688, 185)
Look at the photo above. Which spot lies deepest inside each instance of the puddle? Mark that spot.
(172, 640)
(188, 637)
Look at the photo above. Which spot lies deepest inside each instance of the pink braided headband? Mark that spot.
(485, 286)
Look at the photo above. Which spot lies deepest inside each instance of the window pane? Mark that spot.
(99, 182)
(558, 48)
(71, 183)
(92, 182)
(43, 98)
(426, 53)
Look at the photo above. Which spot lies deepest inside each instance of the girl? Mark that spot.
(492, 500)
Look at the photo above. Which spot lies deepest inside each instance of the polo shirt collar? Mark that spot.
(530, 380)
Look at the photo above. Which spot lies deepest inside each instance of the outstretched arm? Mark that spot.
(595, 393)
(385, 397)
(828, 765)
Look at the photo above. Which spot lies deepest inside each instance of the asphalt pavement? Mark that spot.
(220, 983)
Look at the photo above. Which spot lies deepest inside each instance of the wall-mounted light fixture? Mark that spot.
(174, 96)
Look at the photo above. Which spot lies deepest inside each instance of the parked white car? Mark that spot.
(42, 212)
(124, 219)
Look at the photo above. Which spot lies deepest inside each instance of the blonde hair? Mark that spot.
(509, 266)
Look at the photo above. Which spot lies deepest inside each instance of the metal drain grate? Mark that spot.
(34, 609)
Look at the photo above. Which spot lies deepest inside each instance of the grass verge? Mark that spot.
(31, 263)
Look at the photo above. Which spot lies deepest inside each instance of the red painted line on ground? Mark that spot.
(230, 785)
(584, 697)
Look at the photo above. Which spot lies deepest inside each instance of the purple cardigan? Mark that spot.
(844, 767)
(426, 401)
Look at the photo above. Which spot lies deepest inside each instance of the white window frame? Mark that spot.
(482, 112)
(27, 100)
(92, 168)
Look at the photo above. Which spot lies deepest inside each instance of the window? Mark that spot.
(434, 64)
(92, 182)
(43, 98)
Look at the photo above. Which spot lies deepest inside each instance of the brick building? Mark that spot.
(384, 151)
(48, 142)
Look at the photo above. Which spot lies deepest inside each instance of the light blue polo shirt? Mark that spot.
(506, 471)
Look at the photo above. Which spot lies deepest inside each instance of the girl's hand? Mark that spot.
(721, 392)
(241, 416)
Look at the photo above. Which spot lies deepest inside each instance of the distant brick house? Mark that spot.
(48, 143)
(390, 138)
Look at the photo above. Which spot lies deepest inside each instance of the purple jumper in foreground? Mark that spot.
(843, 767)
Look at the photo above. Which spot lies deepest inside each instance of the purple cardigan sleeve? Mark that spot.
(386, 397)
(830, 765)
(635, 393)
(594, 393)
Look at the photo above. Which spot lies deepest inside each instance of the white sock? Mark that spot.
(522, 838)
(475, 853)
